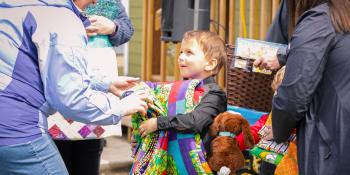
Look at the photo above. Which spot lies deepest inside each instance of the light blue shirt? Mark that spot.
(43, 69)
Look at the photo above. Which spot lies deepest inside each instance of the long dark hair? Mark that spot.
(339, 10)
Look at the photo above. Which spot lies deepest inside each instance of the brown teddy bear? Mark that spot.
(224, 148)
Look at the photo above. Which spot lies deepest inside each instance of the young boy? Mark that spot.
(202, 56)
(182, 136)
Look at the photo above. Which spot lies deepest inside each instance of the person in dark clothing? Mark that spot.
(196, 61)
(314, 93)
(278, 33)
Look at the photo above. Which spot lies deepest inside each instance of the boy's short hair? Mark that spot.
(277, 80)
(212, 45)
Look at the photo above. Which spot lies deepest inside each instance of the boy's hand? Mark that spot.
(148, 126)
(121, 84)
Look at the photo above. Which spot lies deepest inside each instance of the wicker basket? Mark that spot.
(247, 89)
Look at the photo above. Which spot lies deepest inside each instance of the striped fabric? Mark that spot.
(170, 152)
(286, 161)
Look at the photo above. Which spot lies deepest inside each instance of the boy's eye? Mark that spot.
(189, 52)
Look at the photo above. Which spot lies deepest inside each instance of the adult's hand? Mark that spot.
(100, 25)
(122, 84)
(133, 103)
(270, 63)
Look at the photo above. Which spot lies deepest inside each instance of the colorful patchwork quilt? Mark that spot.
(170, 152)
(283, 155)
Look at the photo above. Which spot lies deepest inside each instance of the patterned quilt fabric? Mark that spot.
(66, 129)
(170, 152)
(283, 155)
(271, 145)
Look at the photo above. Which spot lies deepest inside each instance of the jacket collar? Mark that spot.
(80, 14)
(209, 80)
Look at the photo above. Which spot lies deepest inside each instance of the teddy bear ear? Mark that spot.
(247, 134)
(214, 128)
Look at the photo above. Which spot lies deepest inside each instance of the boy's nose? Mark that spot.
(181, 57)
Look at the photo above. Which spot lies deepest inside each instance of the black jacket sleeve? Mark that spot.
(278, 31)
(307, 57)
(212, 104)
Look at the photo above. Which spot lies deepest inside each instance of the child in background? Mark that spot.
(289, 162)
(264, 119)
(262, 130)
(202, 56)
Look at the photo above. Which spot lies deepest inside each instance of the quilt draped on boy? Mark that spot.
(170, 151)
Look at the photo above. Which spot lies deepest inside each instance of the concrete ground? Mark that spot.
(116, 156)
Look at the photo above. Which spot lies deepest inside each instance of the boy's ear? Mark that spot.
(211, 64)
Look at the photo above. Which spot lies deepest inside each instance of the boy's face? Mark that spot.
(192, 61)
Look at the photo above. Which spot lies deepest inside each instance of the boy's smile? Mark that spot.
(192, 61)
